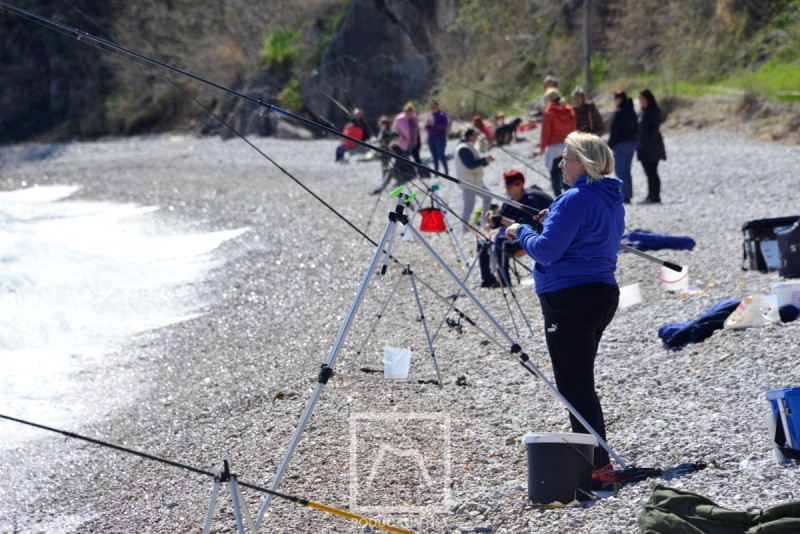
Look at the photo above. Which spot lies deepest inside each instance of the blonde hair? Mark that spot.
(593, 153)
(408, 107)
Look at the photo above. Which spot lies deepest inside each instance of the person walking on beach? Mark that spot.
(436, 126)
(576, 257)
(469, 169)
(558, 120)
(651, 145)
(623, 139)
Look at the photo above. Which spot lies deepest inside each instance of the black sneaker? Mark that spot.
(491, 283)
(650, 201)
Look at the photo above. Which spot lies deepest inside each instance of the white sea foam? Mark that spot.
(76, 276)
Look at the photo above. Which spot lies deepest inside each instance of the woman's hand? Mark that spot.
(539, 217)
(511, 231)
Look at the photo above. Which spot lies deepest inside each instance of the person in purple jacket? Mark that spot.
(576, 257)
(436, 125)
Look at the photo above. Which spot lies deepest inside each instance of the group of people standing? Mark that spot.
(629, 135)
(404, 131)
(640, 135)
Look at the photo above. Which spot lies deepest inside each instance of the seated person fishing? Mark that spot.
(504, 248)
(354, 131)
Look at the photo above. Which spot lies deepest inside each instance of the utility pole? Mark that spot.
(586, 56)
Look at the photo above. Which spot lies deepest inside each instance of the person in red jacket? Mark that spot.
(558, 121)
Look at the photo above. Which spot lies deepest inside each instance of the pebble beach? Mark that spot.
(232, 382)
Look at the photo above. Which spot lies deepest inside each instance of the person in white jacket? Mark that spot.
(469, 168)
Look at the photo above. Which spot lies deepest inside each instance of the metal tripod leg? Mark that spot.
(507, 282)
(327, 367)
(239, 505)
(452, 303)
(424, 325)
(385, 305)
(498, 268)
(450, 231)
(515, 348)
(379, 315)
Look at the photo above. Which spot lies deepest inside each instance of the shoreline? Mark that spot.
(232, 383)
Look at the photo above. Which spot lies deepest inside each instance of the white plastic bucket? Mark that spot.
(559, 467)
(787, 293)
(396, 362)
(629, 295)
(674, 280)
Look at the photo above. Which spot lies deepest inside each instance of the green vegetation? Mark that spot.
(329, 25)
(678, 48)
(291, 96)
(279, 49)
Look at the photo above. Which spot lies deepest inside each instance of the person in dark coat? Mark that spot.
(358, 120)
(623, 140)
(587, 116)
(650, 149)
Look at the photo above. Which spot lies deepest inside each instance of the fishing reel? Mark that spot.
(454, 324)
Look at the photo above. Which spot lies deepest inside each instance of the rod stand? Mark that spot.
(240, 510)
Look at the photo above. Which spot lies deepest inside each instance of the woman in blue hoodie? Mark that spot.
(576, 256)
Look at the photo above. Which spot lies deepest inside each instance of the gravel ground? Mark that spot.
(233, 383)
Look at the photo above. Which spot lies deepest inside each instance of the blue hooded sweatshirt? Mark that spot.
(581, 236)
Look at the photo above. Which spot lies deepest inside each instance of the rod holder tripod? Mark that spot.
(406, 272)
(399, 216)
(449, 228)
(240, 510)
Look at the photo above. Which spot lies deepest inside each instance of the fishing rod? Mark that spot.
(514, 348)
(510, 154)
(358, 63)
(291, 498)
(82, 35)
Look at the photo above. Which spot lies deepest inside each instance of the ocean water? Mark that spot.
(77, 277)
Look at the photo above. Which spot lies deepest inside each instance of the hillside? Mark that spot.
(321, 57)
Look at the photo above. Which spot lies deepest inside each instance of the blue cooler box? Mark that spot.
(785, 404)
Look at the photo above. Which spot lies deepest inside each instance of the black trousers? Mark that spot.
(653, 181)
(504, 249)
(575, 319)
(556, 177)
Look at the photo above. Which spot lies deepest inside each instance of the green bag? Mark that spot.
(671, 511)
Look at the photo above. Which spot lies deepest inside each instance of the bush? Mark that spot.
(291, 96)
(280, 49)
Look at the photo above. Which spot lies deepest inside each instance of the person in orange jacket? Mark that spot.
(558, 121)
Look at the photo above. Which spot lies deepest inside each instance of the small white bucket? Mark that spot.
(674, 280)
(396, 362)
(787, 293)
(630, 295)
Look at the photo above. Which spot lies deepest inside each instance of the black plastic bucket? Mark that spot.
(559, 467)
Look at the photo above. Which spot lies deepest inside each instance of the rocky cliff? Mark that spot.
(385, 52)
(47, 82)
